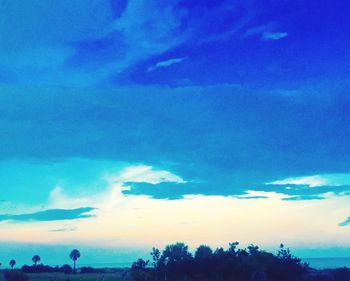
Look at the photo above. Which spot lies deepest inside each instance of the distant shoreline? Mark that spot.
(317, 263)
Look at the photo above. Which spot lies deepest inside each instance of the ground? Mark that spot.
(76, 277)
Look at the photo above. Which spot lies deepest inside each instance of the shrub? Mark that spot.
(87, 269)
(66, 268)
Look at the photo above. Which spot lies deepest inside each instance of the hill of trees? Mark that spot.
(176, 263)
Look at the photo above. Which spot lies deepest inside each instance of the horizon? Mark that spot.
(132, 124)
(124, 257)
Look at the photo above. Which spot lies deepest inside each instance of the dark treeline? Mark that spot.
(176, 263)
(41, 268)
(66, 268)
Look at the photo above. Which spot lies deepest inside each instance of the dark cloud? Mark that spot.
(50, 215)
(221, 139)
(345, 223)
(304, 197)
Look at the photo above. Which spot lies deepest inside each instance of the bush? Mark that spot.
(87, 269)
(66, 268)
(15, 275)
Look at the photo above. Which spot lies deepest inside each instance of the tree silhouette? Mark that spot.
(175, 253)
(74, 255)
(176, 263)
(155, 257)
(176, 260)
(203, 252)
(12, 263)
(139, 264)
(36, 259)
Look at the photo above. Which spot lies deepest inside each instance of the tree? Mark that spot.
(36, 259)
(203, 252)
(233, 247)
(177, 261)
(176, 253)
(74, 255)
(139, 270)
(140, 264)
(12, 263)
(253, 249)
(155, 257)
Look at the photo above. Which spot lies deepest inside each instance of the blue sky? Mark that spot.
(206, 114)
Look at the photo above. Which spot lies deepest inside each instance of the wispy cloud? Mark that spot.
(69, 229)
(147, 28)
(311, 181)
(337, 179)
(273, 35)
(166, 63)
(146, 174)
(304, 197)
(265, 32)
(258, 30)
(51, 215)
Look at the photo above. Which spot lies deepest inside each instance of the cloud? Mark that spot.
(345, 222)
(145, 29)
(265, 33)
(311, 181)
(50, 215)
(58, 198)
(166, 63)
(204, 135)
(252, 194)
(129, 216)
(258, 30)
(64, 229)
(337, 179)
(267, 36)
(57, 43)
(146, 174)
(304, 197)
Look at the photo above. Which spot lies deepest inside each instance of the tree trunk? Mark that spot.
(74, 266)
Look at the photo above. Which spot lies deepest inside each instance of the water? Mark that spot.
(322, 263)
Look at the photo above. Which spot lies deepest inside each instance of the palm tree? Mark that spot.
(74, 255)
(36, 259)
(12, 263)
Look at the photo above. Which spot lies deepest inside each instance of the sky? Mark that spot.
(131, 124)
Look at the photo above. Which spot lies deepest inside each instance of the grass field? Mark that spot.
(71, 277)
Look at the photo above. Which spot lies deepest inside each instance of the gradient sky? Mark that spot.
(131, 124)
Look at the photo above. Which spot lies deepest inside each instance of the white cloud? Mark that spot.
(60, 200)
(337, 179)
(146, 174)
(311, 181)
(257, 30)
(138, 220)
(142, 221)
(165, 63)
(267, 35)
